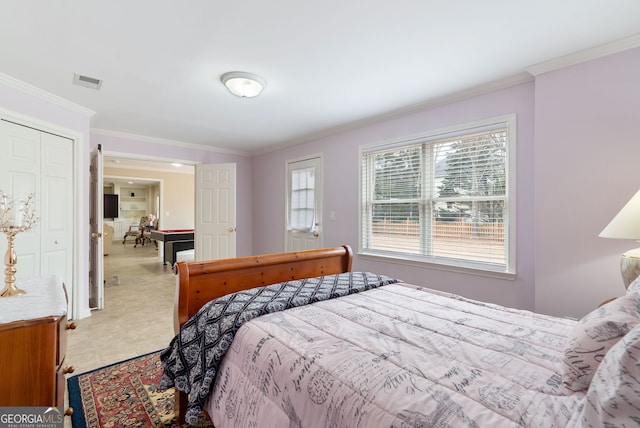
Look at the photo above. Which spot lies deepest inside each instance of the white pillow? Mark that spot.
(594, 335)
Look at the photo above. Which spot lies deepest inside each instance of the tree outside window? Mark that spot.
(442, 199)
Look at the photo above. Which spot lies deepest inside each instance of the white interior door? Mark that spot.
(215, 211)
(39, 163)
(96, 250)
(304, 204)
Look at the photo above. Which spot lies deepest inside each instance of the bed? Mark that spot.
(298, 339)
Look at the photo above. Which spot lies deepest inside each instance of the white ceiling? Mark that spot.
(329, 65)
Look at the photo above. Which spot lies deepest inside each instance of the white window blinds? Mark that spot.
(442, 198)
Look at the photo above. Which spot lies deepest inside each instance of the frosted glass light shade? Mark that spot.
(242, 84)
(626, 224)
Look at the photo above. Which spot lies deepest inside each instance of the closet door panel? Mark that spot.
(57, 209)
(20, 177)
(23, 146)
(21, 160)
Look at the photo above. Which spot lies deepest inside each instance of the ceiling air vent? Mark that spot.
(86, 81)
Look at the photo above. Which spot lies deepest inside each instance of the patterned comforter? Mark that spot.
(396, 356)
(191, 361)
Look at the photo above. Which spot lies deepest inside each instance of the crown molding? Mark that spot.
(173, 143)
(527, 75)
(44, 95)
(585, 55)
(475, 91)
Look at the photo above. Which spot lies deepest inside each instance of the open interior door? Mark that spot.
(215, 210)
(96, 250)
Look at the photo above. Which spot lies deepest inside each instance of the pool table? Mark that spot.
(174, 240)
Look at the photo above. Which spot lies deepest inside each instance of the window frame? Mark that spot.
(466, 266)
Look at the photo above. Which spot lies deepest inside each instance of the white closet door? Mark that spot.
(56, 206)
(20, 177)
(39, 163)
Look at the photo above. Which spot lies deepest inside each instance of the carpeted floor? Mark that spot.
(123, 394)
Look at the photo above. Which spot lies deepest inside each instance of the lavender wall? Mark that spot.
(340, 155)
(586, 168)
(244, 203)
(30, 106)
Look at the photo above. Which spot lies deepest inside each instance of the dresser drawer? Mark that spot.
(28, 355)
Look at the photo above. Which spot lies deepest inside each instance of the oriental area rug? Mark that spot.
(123, 394)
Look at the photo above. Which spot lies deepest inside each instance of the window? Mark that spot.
(444, 198)
(302, 206)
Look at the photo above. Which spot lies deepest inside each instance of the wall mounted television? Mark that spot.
(110, 205)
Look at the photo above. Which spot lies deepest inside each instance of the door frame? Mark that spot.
(75, 291)
(134, 156)
(139, 157)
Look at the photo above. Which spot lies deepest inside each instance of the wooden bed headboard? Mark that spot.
(199, 282)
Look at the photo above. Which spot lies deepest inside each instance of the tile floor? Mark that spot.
(138, 314)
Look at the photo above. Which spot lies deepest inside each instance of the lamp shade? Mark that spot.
(626, 224)
(243, 84)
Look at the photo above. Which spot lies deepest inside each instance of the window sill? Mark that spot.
(407, 260)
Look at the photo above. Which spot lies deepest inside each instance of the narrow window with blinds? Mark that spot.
(444, 198)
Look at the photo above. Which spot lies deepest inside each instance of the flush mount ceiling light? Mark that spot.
(243, 84)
